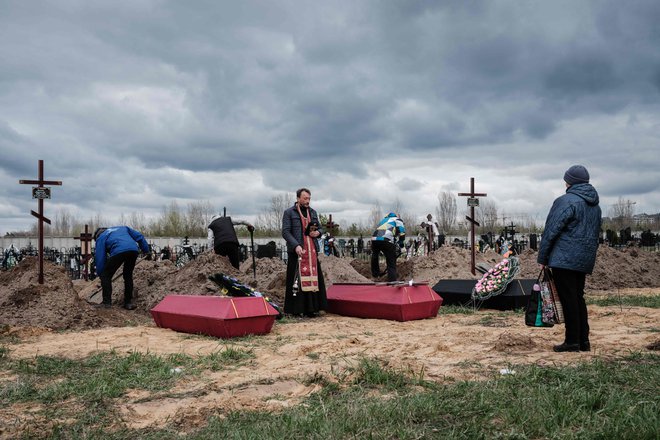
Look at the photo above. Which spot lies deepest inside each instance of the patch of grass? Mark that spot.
(4, 352)
(594, 400)
(313, 355)
(101, 376)
(230, 356)
(600, 399)
(652, 301)
(374, 373)
(456, 310)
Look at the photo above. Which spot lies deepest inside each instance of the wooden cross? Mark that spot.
(85, 241)
(472, 202)
(41, 192)
(330, 225)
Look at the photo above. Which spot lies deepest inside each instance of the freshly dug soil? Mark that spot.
(57, 305)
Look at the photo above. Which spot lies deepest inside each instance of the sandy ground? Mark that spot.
(51, 320)
(445, 348)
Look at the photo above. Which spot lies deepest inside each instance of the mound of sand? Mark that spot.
(55, 304)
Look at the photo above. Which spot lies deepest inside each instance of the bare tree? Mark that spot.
(198, 218)
(408, 218)
(172, 220)
(137, 220)
(270, 218)
(446, 211)
(622, 213)
(63, 223)
(375, 215)
(486, 215)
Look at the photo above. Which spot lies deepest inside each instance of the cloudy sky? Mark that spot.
(134, 104)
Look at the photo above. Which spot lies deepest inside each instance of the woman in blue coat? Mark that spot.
(568, 246)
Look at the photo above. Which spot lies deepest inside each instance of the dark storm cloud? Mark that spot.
(110, 93)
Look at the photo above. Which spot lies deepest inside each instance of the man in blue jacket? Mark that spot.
(568, 246)
(116, 246)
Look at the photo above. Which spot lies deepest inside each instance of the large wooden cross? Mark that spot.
(41, 192)
(472, 202)
(330, 226)
(85, 249)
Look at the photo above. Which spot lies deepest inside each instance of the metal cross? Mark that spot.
(41, 192)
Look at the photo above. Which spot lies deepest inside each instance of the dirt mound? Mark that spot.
(340, 270)
(271, 277)
(509, 342)
(54, 304)
(627, 268)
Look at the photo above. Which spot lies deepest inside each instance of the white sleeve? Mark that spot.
(209, 238)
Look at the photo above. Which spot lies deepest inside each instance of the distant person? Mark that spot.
(431, 229)
(222, 236)
(305, 288)
(116, 246)
(568, 246)
(390, 233)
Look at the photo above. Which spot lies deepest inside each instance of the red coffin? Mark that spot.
(215, 316)
(398, 303)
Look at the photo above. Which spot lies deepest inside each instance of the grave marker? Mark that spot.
(472, 202)
(40, 193)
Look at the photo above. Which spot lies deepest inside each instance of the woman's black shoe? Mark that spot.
(585, 346)
(566, 347)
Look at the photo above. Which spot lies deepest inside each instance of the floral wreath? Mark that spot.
(496, 280)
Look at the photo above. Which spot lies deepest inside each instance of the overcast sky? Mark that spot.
(133, 104)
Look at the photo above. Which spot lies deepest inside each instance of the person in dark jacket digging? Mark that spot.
(116, 246)
(222, 236)
(568, 246)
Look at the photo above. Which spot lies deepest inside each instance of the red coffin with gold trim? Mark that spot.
(215, 316)
(398, 303)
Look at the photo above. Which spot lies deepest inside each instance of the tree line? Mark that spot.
(192, 220)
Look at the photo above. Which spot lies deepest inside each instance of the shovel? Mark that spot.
(119, 274)
(254, 263)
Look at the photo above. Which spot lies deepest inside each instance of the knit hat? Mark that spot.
(98, 232)
(576, 174)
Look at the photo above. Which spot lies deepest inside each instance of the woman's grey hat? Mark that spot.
(576, 174)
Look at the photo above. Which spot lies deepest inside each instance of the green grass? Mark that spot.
(615, 399)
(106, 375)
(230, 356)
(652, 301)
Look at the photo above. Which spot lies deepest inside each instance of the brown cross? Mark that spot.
(85, 241)
(330, 225)
(40, 191)
(472, 196)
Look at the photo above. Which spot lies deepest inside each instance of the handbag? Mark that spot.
(544, 308)
(549, 282)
